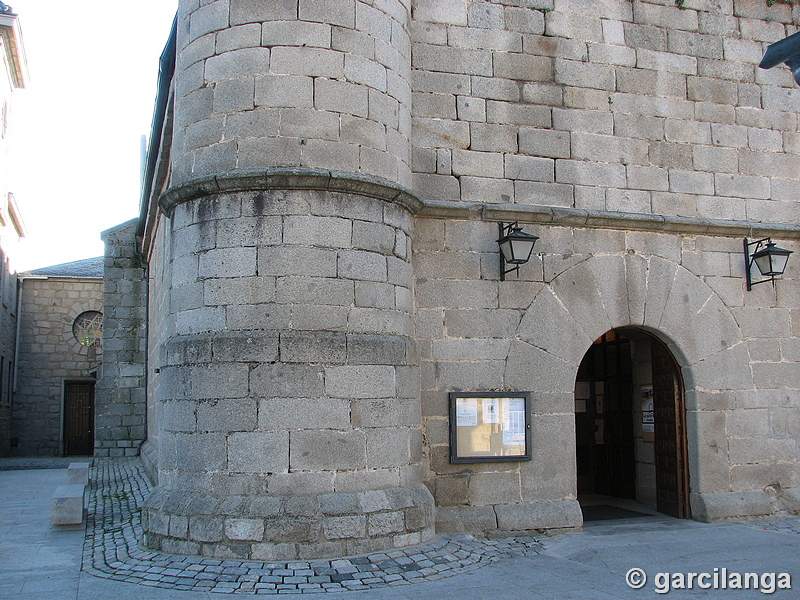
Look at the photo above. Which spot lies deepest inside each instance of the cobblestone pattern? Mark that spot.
(120, 485)
(788, 525)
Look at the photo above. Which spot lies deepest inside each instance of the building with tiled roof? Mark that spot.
(88, 267)
(59, 350)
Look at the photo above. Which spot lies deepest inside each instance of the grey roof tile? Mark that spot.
(88, 267)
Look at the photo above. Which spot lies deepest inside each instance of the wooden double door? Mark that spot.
(606, 432)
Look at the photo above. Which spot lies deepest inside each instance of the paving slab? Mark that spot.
(36, 561)
(106, 562)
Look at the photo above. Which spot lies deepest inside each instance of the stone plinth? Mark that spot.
(66, 507)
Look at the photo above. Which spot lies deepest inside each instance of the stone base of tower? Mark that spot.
(286, 384)
(288, 527)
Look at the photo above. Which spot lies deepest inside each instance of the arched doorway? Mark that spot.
(630, 423)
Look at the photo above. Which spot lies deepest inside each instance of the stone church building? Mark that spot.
(334, 361)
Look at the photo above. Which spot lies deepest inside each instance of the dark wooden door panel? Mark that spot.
(672, 490)
(79, 418)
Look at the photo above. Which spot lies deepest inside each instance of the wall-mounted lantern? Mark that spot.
(516, 247)
(770, 260)
(786, 51)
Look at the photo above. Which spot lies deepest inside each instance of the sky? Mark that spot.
(77, 126)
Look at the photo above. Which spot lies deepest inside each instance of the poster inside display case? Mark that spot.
(489, 427)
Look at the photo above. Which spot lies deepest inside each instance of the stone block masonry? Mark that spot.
(315, 85)
(288, 297)
(641, 109)
(120, 397)
(323, 261)
(650, 81)
(49, 355)
(288, 444)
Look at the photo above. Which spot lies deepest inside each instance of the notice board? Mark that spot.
(489, 427)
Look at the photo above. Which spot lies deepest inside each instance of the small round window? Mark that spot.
(88, 328)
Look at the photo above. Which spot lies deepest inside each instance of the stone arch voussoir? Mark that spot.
(653, 293)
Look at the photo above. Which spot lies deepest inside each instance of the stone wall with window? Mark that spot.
(52, 351)
(14, 77)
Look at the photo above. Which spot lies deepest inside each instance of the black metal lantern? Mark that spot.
(786, 51)
(770, 260)
(516, 247)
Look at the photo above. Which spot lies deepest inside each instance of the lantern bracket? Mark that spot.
(764, 249)
(516, 247)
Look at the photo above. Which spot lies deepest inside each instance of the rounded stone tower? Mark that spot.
(288, 412)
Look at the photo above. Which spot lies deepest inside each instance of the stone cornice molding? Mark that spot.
(291, 179)
(601, 219)
(375, 187)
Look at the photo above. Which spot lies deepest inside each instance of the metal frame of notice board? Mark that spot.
(490, 427)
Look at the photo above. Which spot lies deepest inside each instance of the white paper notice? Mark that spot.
(491, 410)
(467, 412)
(514, 423)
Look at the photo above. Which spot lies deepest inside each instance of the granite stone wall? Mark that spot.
(160, 327)
(120, 394)
(49, 355)
(286, 377)
(290, 387)
(326, 265)
(303, 83)
(636, 107)
(642, 143)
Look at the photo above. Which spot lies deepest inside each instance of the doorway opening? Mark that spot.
(78, 418)
(630, 428)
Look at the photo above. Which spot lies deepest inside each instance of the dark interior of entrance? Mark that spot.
(604, 419)
(630, 423)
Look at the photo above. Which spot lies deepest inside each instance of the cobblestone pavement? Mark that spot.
(785, 525)
(119, 486)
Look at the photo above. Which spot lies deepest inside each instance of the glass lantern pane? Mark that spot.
(522, 250)
(779, 263)
(506, 249)
(771, 262)
(764, 264)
